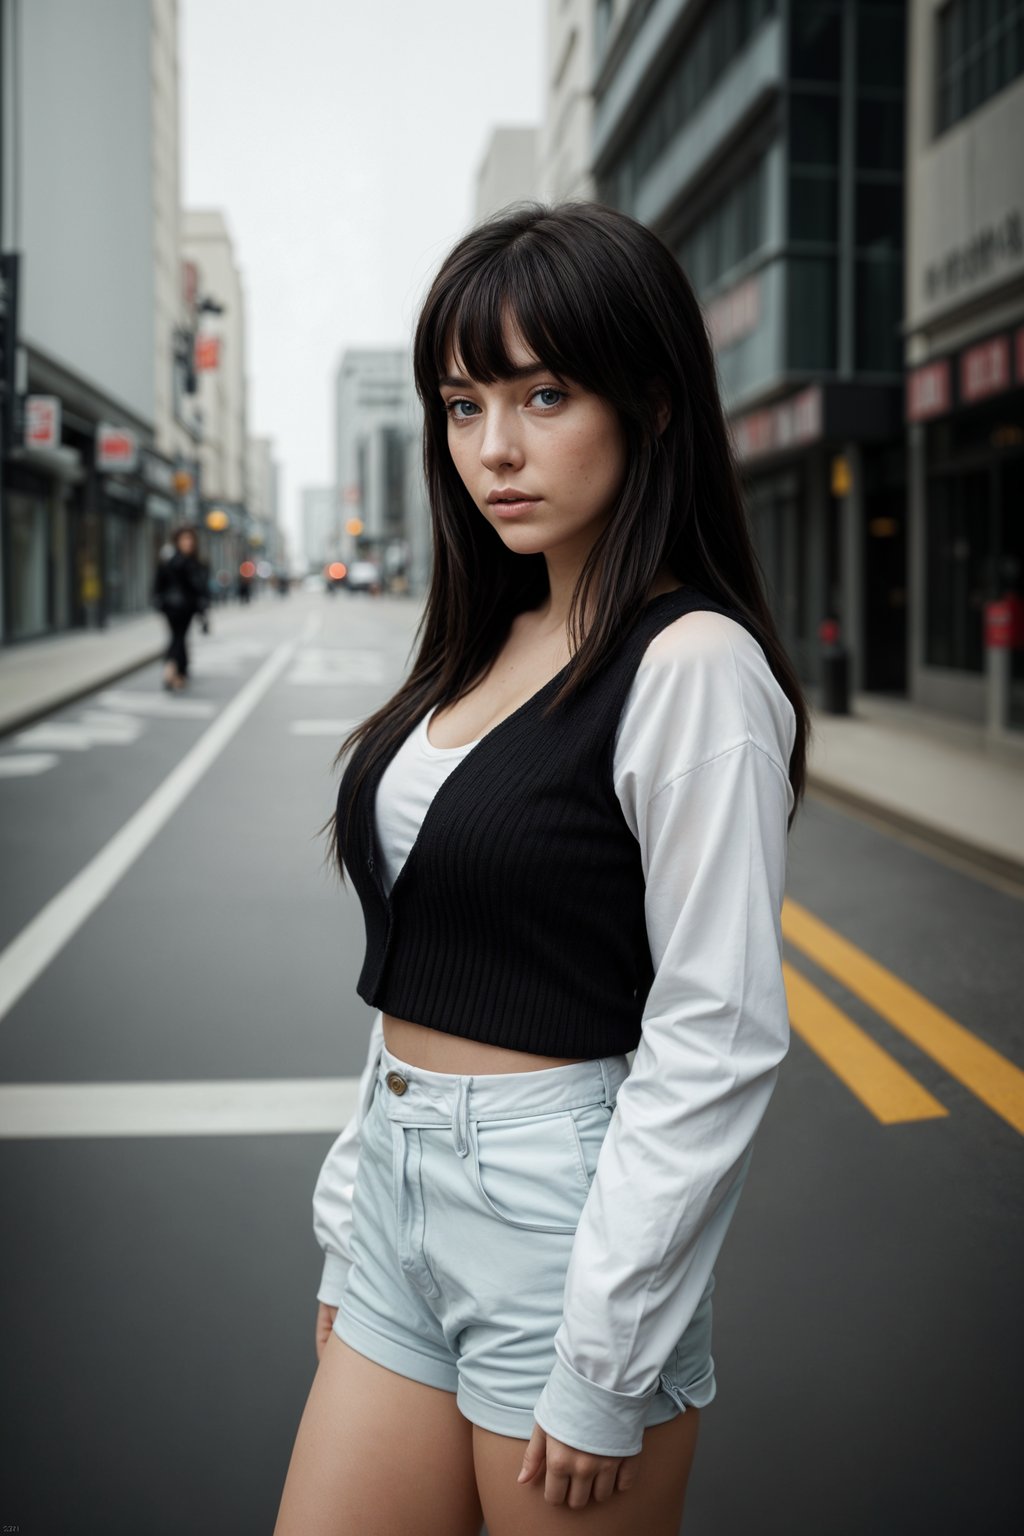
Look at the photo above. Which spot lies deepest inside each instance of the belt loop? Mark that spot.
(460, 1118)
(609, 1093)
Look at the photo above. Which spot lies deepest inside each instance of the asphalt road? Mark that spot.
(178, 1028)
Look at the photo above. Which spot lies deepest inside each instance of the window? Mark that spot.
(815, 40)
(879, 307)
(957, 544)
(689, 76)
(979, 50)
(811, 309)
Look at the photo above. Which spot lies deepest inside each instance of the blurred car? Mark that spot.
(363, 576)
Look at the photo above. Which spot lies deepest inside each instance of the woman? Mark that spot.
(180, 591)
(568, 832)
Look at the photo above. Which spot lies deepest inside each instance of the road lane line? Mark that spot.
(27, 956)
(989, 1075)
(292, 1106)
(873, 1076)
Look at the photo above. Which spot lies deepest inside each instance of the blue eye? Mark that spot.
(452, 408)
(549, 391)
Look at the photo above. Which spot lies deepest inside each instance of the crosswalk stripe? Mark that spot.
(879, 1081)
(987, 1074)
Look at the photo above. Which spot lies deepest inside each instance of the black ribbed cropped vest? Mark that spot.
(518, 916)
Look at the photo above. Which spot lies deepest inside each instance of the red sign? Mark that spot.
(42, 421)
(207, 353)
(1004, 623)
(985, 369)
(792, 424)
(929, 391)
(116, 448)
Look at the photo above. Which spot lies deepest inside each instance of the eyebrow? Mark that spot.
(453, 381)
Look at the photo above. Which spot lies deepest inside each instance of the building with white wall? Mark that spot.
(379, 482)
(964, 332)
(220, 361)
(321, 525)
(90, 192)
(564, 142)
(507, 172)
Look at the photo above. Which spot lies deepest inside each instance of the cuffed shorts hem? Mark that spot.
(418, 1365)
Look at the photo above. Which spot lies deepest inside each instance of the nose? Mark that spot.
(501, 447)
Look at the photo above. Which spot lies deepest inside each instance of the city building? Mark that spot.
(321, 525)
(380, 490)
(964, 332)
(263, 501)
(564, 139)
(507, 172)
(220, 365)
(97, 425)
(763, 141)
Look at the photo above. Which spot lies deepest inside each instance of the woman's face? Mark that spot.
(187, 543)
(551, 451)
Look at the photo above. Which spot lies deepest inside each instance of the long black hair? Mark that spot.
(602, 302)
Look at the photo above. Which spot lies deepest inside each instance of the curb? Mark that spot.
(60, 698)
(1006, 869)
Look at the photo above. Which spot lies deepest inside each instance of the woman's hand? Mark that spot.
(324, 1323)
(574, 1476)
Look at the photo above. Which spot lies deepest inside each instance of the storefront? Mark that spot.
(965, 413)
(824, 475)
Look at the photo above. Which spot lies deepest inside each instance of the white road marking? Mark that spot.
(26, 764)
(337, 728)
(315, 668)
(59, 737)
(161, 704)
(42, 939)
(293, 1106)
(92, 729)
(105, 726)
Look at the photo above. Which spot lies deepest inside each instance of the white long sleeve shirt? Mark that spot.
(701, 772)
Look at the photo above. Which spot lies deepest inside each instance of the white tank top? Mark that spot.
(407, 786)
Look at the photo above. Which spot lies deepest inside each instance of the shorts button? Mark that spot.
(396, 1082)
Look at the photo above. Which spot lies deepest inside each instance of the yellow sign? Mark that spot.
(217, 520)
(354, 526)
(842, 479)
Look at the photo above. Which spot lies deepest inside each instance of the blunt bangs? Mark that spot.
(536, 286)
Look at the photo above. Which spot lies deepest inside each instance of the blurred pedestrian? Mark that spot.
(581, 797)
(181, 589)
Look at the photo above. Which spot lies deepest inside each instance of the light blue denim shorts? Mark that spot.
(468, 1193)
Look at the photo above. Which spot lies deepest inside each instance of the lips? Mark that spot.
(511, 502)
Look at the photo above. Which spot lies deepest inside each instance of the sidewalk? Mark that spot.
(924, 774)
(41, 675)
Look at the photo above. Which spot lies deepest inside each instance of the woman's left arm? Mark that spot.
(705, 787)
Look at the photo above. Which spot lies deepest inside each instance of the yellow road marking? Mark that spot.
(881, 1084)
(988, 1075)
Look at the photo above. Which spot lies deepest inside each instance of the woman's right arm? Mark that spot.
(335, 1185)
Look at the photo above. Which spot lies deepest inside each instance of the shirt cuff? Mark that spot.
(591, 1418)
(332, 1281)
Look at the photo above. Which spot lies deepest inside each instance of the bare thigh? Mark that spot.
(377, 1452)
(654, 1504)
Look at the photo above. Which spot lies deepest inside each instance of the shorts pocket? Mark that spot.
(532, 1171)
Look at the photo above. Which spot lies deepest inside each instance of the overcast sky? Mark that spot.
(341, 138)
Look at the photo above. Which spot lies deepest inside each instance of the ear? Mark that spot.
(659, 397)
